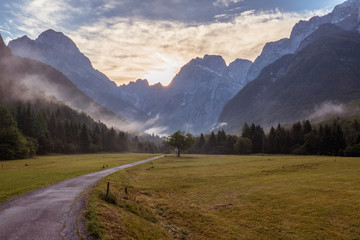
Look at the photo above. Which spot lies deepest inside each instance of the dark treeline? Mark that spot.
(48, 127)
(337, 138)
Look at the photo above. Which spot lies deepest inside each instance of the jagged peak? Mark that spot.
(24, 38)
(50, 33)
(348, 3)
(138, 82)
(157, 85)
(51, 37)
(334, 16)
(142, 82)
(2, 43)
(280, 42)
(4, 50)
(240, 61)
(213, 62)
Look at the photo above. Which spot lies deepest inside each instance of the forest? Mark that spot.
(341, 137)
(45, 127)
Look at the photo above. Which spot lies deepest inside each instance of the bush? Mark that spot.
(352, 151)
(243, 146)
(299, 150)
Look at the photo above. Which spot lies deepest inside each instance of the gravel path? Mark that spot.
(52, 212)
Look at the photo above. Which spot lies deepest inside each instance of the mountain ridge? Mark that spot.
(24, 79)
(272, 51)
(155, 106)
(60, 52)
(289, 89)
(195, 97)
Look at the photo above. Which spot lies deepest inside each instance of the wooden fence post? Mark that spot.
(107, 190)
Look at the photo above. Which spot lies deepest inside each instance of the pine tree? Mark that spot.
(13, 144)
(211, 143)
(200, 144)
(84, 139)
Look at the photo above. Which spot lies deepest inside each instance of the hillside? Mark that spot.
(345, 15)
(193, 101)
(293, 87)
(23, 79)
(59, 51)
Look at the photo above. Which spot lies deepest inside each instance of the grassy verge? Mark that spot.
(230, 197)
(20, 176)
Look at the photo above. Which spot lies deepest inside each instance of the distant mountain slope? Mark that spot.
(327, 70)
(59, 51)
(23, 79)
(194, 99)
(345, 15)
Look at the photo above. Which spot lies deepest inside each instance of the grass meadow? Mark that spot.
(21, 176)
(230, 197)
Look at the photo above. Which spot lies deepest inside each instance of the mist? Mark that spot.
(327, 110)
(28, 80)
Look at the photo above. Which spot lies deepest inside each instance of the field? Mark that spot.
(20, 176)
(230, 197)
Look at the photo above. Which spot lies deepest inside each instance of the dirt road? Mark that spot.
(52, 212)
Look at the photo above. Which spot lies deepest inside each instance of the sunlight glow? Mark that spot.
(165, 70)
(164, 76)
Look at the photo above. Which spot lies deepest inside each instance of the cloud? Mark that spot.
(226, 3)
(153, 46)
(138, 45)
(35, 16)
(323, 110)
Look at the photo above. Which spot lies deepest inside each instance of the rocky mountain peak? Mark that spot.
(56, 39)
(213, 62)
(24, 39)
(140, 83)
(346, 5)
(345, 15)
(60, 52)
(4, 50)
(238, 70)
(240, 62)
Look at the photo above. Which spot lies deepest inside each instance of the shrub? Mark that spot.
(352, 151)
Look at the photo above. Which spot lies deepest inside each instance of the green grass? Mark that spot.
(20, 176)
(231, 197)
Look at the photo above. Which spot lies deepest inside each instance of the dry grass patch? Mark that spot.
(231, 197)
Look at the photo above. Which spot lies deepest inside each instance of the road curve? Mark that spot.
(52, 212)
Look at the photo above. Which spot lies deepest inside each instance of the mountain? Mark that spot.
(195, 97)
(193, 101)
(4, 51)
(290, 89)
(60, 52)
(345, 15)
(23, 79)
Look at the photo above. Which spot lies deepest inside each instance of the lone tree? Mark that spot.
(179, 141)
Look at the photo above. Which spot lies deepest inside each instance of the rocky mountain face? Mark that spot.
(194, 99)
(60, 52)
(24, 79)
(345, 15)
(196, 96)
(4, 50)
(295, 86)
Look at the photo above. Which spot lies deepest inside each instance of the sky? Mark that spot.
(152, 39)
